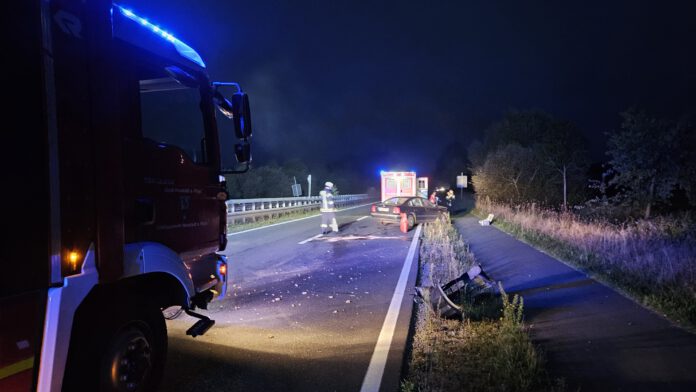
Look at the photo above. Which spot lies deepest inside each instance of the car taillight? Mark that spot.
(396, 210)
(374, 208)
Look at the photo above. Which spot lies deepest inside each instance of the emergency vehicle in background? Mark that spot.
(115, 198)
(423, 187)
(403, 183)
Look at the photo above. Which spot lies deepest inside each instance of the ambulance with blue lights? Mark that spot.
(114, 194)
(402, 183)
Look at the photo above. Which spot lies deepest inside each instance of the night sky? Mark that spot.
(390, 84)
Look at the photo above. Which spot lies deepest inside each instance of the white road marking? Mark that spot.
(373, 377)
(310, 239)
(349, 237)
(294, 220)
(361, 218)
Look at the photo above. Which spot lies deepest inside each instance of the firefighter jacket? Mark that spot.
(327, 201)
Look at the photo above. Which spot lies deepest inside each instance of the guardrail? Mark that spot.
(240, 207)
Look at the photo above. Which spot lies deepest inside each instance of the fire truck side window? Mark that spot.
(170, 114)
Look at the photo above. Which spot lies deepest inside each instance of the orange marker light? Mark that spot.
(223, 269)
(73, 257)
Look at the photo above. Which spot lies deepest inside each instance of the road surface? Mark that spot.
(302, 313)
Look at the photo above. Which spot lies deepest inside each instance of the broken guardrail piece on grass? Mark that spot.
(442, 298)
(439, 302)
(487, 221)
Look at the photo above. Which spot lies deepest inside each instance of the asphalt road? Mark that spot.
(594, 338)
(299, 315)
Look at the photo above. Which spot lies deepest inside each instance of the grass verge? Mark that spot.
(270, 219)
(652, 262)
(488, 350)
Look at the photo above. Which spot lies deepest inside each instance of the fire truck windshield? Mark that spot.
(170, 114)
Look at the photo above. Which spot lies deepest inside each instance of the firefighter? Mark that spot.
(328, 210)
(450, 197)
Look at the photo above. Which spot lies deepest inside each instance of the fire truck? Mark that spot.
(114, 194)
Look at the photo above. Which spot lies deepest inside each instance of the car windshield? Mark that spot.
(395, 201)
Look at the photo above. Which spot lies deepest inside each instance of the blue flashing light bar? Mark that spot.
(183, 49)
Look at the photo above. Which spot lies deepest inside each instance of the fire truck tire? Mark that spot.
(128, 353)
(134, 358)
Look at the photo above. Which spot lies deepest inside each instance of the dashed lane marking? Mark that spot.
(350, 237)
(310, 239)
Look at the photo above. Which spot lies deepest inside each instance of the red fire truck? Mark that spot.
(114, 194)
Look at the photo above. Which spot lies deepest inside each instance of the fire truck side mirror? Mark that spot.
(241, 115)
(242, 151)
(223, 105)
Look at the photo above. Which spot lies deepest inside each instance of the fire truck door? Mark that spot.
(25, 253)
(21, 324)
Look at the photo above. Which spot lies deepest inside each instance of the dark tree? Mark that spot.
(645, 158)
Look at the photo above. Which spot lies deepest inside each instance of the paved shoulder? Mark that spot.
(593, 337)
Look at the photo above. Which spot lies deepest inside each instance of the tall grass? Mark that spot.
(488, 353)
(654, 260)
(445, 253)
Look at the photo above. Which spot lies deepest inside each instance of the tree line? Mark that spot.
(532, 157)
(275, 180)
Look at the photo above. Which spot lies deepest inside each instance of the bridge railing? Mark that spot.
(239, 207)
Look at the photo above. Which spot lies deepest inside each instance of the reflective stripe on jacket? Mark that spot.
(327, 202)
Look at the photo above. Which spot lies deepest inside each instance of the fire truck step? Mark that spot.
(201, 326)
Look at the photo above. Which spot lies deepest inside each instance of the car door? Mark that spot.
(431, 209)
(416, 206)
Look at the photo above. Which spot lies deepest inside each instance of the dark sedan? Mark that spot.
(417, 209)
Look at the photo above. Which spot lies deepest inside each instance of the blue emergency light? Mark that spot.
(183, 49)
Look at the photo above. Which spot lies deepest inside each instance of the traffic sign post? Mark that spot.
(461, 184)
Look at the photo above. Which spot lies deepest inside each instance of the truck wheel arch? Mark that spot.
(152, 260)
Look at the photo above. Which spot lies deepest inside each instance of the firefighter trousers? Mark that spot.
(328, 219)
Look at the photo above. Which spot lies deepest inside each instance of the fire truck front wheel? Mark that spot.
(122, 349)
(134, 357)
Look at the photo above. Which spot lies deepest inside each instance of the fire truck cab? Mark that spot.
(115, 194)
